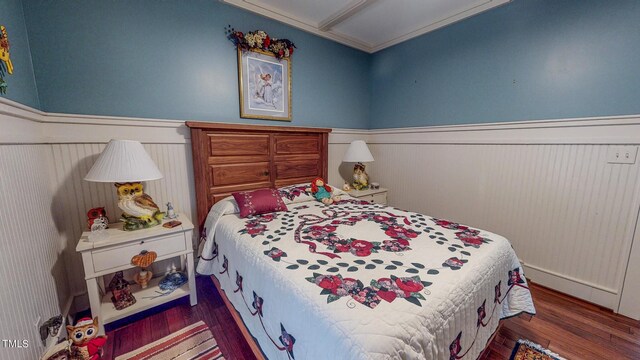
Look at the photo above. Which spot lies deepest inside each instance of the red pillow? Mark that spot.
(259, 201)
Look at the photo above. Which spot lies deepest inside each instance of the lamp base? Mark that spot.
(360, 177)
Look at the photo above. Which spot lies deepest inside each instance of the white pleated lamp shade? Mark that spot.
(124, 161)
(358, 151)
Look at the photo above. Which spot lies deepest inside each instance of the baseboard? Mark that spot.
(582, 291)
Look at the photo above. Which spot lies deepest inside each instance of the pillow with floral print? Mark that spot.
(259, 201)
(296, 193)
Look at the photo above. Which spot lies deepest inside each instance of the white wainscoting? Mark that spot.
(546, 186)
(73, 142)
(33, 282)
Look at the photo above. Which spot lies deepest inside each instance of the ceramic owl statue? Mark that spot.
(360, 177)
(139, 210)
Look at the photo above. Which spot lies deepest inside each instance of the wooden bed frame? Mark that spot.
(229, 158)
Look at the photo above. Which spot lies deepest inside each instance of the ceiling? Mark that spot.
(368, 25)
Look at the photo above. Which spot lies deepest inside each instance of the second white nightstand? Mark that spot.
(378, 196)
(114, 254)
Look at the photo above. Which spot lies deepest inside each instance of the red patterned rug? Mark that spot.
(193, 342)
(527, 350)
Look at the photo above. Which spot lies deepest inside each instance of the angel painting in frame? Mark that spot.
(265, 85)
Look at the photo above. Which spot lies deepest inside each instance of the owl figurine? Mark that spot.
(139, 210)
(84, 339)
(360, 177)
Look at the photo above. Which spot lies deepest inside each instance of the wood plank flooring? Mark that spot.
(571, 327)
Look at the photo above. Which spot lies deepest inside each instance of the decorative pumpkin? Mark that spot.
(144, 259)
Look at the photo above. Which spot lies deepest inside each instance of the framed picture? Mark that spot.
(265, 85)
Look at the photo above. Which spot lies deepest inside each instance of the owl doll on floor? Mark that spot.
(84, 339)
(139, 210)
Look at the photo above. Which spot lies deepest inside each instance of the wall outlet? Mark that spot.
(622, 154)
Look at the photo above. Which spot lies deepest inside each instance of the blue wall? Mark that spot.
(529, 59)
(171, 60)
(21, 85)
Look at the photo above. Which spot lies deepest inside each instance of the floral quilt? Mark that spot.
(355, 280)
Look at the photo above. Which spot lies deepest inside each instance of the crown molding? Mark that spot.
(451, 19)
(323, 28)
(297, 23)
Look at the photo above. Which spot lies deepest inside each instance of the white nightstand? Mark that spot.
(378, 196)
(114, 252)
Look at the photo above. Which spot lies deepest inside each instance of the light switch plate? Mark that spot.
(622, 154)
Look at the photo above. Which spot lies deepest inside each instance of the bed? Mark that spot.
(351, 280)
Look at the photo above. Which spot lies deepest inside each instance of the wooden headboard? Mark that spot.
(229, 158)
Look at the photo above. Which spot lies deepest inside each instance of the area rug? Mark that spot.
(193, 342)
(527, 350)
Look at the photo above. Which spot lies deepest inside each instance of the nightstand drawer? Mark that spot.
(112, 258)
(380, 198)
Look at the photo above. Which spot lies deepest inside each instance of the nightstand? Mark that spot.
(378, 196)
(113, 253)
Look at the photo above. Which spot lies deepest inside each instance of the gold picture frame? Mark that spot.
(264, 83)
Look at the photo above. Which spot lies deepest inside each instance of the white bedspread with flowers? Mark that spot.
(355, 280)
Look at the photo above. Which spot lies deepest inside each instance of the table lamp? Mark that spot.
(126, 163)
(358, 152)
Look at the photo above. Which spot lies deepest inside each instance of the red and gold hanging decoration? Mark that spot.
(260, 40)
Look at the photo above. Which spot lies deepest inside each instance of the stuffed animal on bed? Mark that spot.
(322, 192)
(85, 342)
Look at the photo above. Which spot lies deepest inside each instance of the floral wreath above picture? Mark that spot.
(264, 74)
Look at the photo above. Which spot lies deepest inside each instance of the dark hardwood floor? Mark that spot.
(571, 327)
(172, 317)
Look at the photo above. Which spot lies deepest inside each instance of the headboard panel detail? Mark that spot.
(229, 158)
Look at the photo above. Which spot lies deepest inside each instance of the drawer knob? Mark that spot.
(141, 242)
(266, 173)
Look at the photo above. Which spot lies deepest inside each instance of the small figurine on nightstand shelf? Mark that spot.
(143, 261)
(171, 214)
(346, 186)
(173, 280)
(323, 192)
(121, 292)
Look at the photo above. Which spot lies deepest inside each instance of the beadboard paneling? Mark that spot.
(568, 213)
(72, 162)
(33, 280)
(545, 185)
